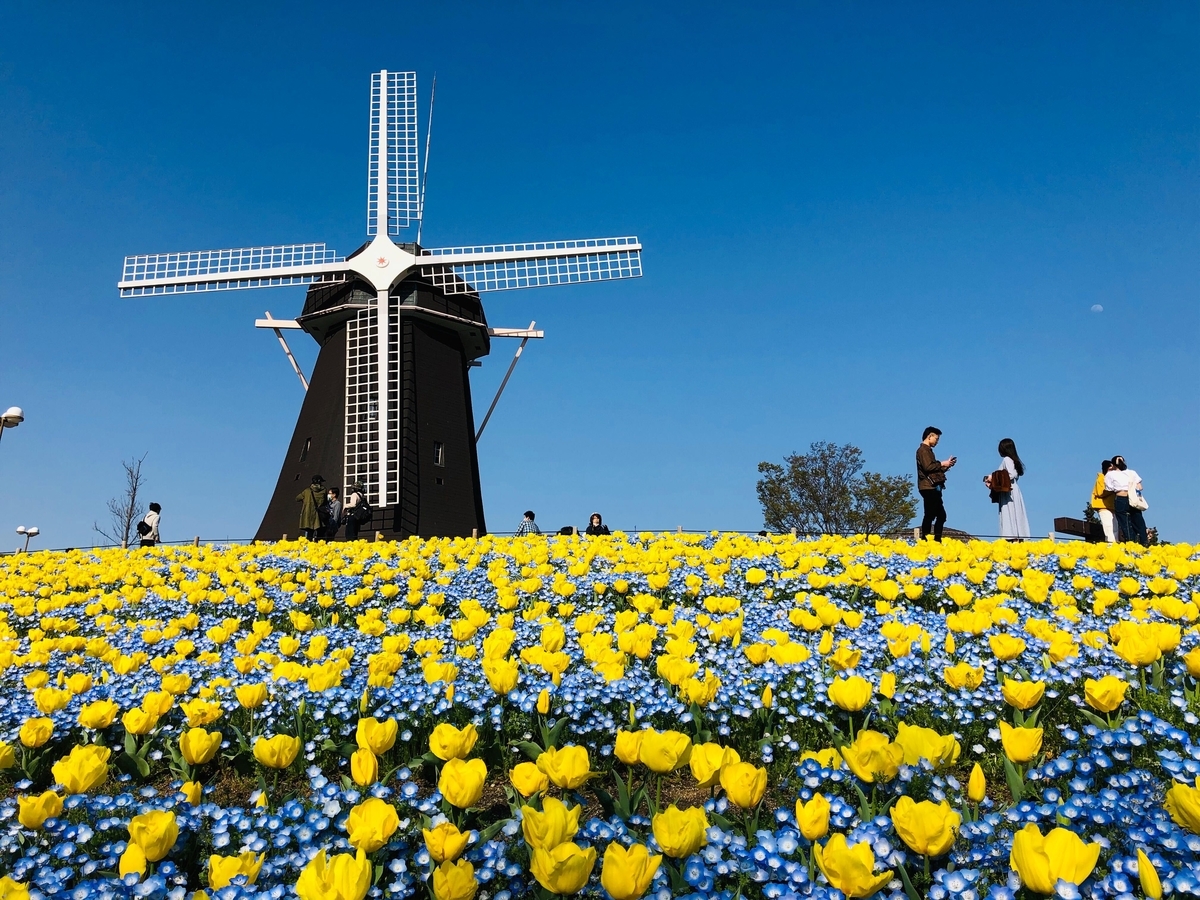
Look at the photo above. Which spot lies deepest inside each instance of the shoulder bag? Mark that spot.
(1137, 501)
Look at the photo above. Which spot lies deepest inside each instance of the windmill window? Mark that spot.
(439, 453)
(304, 451)
(439, 481)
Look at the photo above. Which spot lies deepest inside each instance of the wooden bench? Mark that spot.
(1089, 531)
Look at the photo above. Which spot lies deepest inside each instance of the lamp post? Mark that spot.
(30, 532)
(13, 416)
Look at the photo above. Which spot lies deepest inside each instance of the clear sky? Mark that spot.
(859, 219)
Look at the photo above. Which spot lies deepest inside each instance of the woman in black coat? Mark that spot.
(596, 526)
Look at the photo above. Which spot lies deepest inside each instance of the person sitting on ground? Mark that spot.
(150, 537)
(596, 525)
(311, 499)
(528, 526)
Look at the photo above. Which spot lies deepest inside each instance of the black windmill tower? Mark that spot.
(400, 325)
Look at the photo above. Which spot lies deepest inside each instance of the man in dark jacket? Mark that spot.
(931, 481)
(311, 499)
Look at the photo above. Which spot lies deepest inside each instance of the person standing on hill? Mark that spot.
(528, 526)
(1104, 503)
(1014, 523)
(311, 499)
(355, 510)
(596, 525)
(150, 536)
(931, 481)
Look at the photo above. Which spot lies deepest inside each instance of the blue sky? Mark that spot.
(858, 220)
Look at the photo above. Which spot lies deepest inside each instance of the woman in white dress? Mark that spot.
(1014, 523)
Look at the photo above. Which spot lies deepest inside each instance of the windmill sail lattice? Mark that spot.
(399, 326)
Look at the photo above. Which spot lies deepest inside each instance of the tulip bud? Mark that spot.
(1148, 876)
(813, 817)
(768, 697)
(977, 785)
(364, 767)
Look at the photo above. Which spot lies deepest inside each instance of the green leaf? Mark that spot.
(721, 822)
(1016, 784)
(530, 749)
(143, 767)
(347, 783)
(492, 830)
(130, 744)
(1094, 719)
(908, 885)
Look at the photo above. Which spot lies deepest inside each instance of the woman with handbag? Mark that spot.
(1127, 485)
(1014, 523)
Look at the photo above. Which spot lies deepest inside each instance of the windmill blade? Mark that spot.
(225, 270)
(392, 154)
(502, 267)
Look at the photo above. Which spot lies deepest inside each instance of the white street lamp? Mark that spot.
(30, 532)
(13, 416)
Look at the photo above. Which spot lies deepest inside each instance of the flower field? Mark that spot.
(642, 715)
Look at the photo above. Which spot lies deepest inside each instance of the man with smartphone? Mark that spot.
(931, 481)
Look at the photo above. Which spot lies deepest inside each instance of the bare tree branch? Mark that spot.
(126, 510)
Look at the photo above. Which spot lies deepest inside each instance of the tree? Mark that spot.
(826, 491)
(126, 510)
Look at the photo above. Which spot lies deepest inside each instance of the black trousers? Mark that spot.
(935, 514)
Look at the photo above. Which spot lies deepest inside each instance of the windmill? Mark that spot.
(388, 404)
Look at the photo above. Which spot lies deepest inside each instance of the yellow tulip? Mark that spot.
(555, 824)
(8, 756)
(626, 873)
(629, 746)
(850, 694)
(1191, 659)
(1137, 649)
(371, 824)
(193, 792)
(344, 877)
(925, 743)
(744, 783)
(845, 657)
(1105, 694)
(680, 832)
(364, 767)
(455, 881)
(850, 869)
(1006, 647)
(563, 870)
(1023, 694)
(251, 696)
(50, 700)
(1148, 876)
(448, 742)
(223, 869)
(1042, 861)
(887, 685)
(528, 779)
(33, 811)
(199, 746)
(277, 752)
(1020, 744)
(927, 828)
(83, 769)
(707, 760)
(1182, 803)
(98, 715)
(139, 722)
(963, 676)
(977, 785)
(664, 751)
(133, 861)
(376, 736)
(444, 842)
(157, 703)
(813, 817)
(872, 757)
(461, 782)
(543, 702)
(12, 890)
(35, 732)
(201, 712)
(502, 674)
(567, 767)
(155, 833)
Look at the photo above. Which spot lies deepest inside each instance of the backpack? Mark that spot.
(142, 528)
(361, 510)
